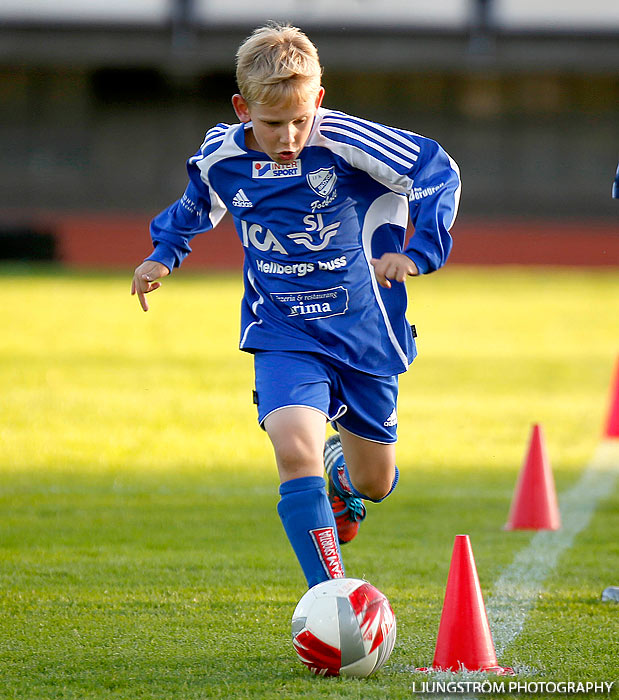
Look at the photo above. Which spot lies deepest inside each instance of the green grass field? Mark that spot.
(140, 551)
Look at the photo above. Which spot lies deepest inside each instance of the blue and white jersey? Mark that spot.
(310, 227)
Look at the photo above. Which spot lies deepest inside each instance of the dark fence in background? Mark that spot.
(97, 119)
(539, 144)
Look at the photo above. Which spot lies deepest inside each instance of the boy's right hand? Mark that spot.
(144, 280)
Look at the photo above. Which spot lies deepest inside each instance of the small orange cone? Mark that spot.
(534, 504)
(464, 640)
(612, 422)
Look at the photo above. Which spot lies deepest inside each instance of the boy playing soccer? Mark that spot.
(320, 201)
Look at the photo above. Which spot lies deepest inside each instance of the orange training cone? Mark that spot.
(534, 505)
(612, 422)
(464, 640)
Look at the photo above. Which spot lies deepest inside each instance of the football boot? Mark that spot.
(349, 510)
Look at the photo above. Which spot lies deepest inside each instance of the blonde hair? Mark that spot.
(277, 64)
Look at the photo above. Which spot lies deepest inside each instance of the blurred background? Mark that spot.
(101, 103)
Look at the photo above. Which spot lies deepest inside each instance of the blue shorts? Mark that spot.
(361, 403)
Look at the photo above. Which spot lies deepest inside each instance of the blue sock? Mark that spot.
(308, 520)
(343, 482)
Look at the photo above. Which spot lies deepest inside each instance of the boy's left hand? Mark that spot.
(393, 266)
(145, 280)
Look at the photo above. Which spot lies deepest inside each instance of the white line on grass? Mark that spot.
(518, 587)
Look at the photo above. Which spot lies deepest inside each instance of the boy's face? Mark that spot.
(281, 131)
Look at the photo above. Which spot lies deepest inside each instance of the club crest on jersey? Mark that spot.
(322, 181)
(268, 169)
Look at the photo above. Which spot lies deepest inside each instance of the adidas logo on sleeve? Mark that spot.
(240, 199)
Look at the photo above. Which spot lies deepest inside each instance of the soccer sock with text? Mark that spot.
(309, 523)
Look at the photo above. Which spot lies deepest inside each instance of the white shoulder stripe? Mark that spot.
(226, 148)
(391, 134)
(215, 138)
(393, 209)
(254, 307)
(207, 142)
(405, 163)
(216, 132)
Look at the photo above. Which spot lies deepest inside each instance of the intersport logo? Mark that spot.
(268, 169)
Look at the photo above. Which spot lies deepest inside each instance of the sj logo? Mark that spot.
(316, 235)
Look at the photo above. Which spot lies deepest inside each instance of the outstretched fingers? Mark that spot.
(393, 266)
(145, 280)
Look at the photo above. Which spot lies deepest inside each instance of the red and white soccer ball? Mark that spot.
(343, 626)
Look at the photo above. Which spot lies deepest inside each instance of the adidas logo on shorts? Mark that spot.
(392, 420)
(240, 199)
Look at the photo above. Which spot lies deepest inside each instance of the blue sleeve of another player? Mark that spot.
(198, 210)
(433, 205)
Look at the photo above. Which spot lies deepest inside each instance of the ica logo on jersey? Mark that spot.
(315, 237)
(255, 237)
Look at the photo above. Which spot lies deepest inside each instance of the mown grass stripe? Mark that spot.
(518, 587)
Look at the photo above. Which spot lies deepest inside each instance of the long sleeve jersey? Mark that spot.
(310, 227)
